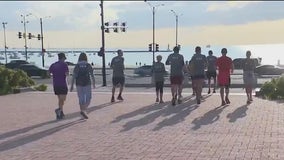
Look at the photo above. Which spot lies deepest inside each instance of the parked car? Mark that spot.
(145, 70)
(268, 70)
(33, 70)
(15, 64)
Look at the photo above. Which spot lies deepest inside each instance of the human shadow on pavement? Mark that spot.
(24, 139)
(67, 116)
(208, 118)
(179, 113)
(238, 113)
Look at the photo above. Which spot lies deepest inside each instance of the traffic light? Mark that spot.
(157, 47)
(106, 27)
(101, 52)
(30, 36)
(20, 35)
(150, 47)
(115, 29)
(123, 28)
(38, 36)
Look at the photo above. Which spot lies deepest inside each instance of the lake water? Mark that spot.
(270, 54)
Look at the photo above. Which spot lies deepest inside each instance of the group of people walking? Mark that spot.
(198, 68)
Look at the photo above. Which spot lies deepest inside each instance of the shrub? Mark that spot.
(273, 89)
(41, 87)
(11, 80)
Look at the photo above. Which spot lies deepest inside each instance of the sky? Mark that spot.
(76, 24)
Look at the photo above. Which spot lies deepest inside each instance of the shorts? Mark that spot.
(159, 86)
(194, 77)
(176, 80)
(60, 90)
(227, 84)
(210, 74)
(118, 80)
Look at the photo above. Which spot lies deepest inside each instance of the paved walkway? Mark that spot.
(138, 129)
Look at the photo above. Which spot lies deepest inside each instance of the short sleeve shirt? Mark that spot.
(224, 64)
(117, 64)
(248, 65)
(198, 63)
(211, 63)
(159, 71)
(58, 71)
(177, 62)
(89, 69)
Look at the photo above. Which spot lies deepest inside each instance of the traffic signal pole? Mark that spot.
(103, 44)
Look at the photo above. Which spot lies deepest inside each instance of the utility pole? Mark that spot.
(42, 49)
(5, 45)
(102, 50)
(25, 34)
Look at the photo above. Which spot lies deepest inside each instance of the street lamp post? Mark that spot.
(5, 45)
(103, 44)
(41, 37)
(176, 15)
(25, 33)
(153, 11)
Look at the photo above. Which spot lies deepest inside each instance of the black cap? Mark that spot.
(61, 56)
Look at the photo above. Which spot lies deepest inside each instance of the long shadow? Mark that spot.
(143, 110)
(208, 118)
(13, 143)
(67, 116)
(180, 111)
(238, 113)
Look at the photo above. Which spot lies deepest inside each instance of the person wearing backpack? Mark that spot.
(82, 75)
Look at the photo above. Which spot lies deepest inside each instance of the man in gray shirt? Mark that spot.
(198, 63)
(176, 61)
(118, 78)
(211, 70)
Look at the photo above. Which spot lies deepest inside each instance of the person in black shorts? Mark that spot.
(60, 71)
(211, 71)
(118, 78)
(159, 73)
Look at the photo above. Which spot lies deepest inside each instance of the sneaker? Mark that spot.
(58, 113)
(173, 101)
(223, 103)
(198, 101)
(112, 99)
(161, 101)
(209, 91)
(157, 100)
(214, 91)
(227, 100)
(120, 98)
(84, 114)
(179, 101)
(62, 115)
(248, 102)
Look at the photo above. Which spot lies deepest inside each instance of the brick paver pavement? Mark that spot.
(138, 129)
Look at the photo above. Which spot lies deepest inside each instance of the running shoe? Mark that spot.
(157, 100)
(84, 114)
(227, 100)
(120, 98)
(112, 99)
(58, 113)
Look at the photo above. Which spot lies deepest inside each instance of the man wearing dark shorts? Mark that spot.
(176, 61)
(118, 78)
(197, 64)
(60, 71)
(211, 71)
